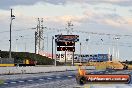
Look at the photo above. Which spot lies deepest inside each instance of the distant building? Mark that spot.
(78, 57)
(84, 57)
(46, 54)
(61, 57)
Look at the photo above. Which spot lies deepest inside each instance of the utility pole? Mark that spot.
(12, 17)
(39, 33)
(69, 27)
(39, 36)
(35, 42)
(69, 30)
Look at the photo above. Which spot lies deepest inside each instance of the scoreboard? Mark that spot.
(68, 38)
(66, 42)
(70, 49)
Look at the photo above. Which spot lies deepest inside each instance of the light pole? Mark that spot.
(87, 47)
(87, 40)
(25, 47)
(12, 17)
(52, 46)
(117, 49)
(24, 43)
(55, 53)
(80, 52)
(113, 51)
(16, 45)
(102, 46)
(47, 44)
(53, 50)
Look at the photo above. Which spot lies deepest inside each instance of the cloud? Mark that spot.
(111, 19)
(128, 20)
(56, 21)
(105, 8)
(111, 22)
(90, 17)
(20, 22)
(130, 10)
(6, 4)
(114, 2)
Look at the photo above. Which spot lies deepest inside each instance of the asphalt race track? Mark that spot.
(56, 80)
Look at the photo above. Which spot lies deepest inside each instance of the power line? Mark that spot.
(93, 33)
(78, 31)
(18, 30)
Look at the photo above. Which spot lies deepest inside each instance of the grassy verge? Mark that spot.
(102, 67)
(130, 67)
(1, 82)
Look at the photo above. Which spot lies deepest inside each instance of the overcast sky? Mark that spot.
(99, 16)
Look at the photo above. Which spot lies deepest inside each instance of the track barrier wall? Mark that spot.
(33, 69)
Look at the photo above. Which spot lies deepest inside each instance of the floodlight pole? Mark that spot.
(12, 17)
(52, 45)
(65, 56)
(55, 54)
(73, 56)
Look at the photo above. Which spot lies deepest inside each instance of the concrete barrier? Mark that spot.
(32, 69)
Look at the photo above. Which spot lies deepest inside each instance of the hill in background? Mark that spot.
(19, 57)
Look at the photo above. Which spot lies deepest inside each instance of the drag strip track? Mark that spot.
(42, 79)
(65, 80)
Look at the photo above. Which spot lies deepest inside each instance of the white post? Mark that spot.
(113, 51)
(118, 54)
(60, 55)
(109, 51)
(102, 46)
(25, 47)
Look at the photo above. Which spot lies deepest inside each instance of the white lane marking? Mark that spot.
(107, 71)
(41, 79)
(13, 82)
(49, 78)
(129, 72)
(69, 76)
(58, 77)
(20, 81)
(5, 83)
(30, 80)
